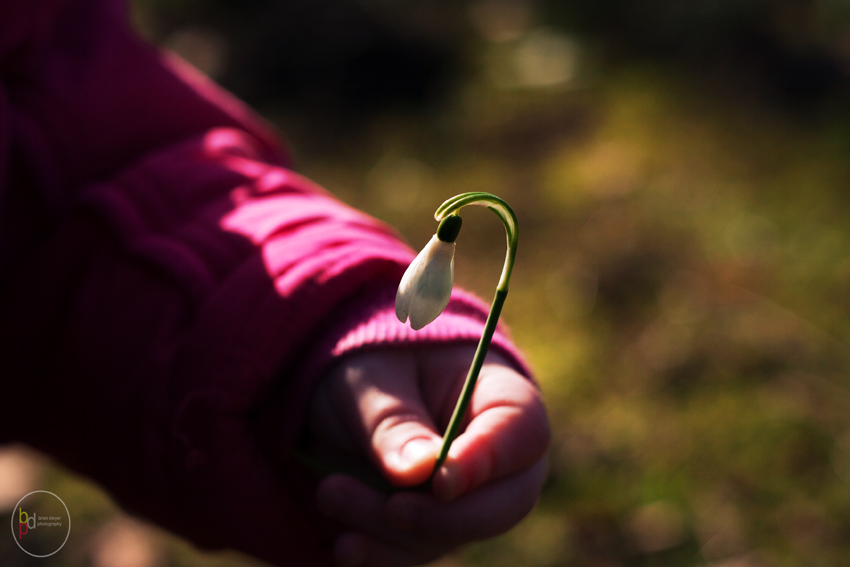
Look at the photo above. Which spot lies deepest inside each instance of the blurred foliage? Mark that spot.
(680, 173)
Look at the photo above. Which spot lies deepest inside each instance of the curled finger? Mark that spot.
(486, 512)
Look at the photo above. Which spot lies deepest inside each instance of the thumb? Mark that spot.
(406, 446)
(382, 395)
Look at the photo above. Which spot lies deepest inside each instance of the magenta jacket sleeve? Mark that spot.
(165, 276)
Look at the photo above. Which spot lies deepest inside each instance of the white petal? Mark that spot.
(432, 288)
(404, 295)
(426, 286)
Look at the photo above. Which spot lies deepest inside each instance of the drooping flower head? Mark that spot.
(427, 283)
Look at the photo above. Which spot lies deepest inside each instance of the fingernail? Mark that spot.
(449, 483)
(416, 451)
(350, 552)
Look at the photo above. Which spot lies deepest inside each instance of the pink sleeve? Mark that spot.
(181, 279)
(182, 297)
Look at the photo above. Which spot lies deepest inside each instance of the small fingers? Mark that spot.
(410, 528)
(487, 512)
(376, 540)
(364, 509)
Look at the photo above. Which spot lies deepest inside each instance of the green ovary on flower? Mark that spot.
(426, 286)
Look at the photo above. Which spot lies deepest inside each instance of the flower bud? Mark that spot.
(426, 286)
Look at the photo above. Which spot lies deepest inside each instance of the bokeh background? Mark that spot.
(681, 173)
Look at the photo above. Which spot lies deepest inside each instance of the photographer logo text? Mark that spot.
(41, 523)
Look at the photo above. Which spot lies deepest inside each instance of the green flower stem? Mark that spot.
(471, 378)
(507, 216)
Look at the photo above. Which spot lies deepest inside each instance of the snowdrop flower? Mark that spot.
(426, 286)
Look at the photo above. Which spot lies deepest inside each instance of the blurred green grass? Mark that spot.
(681, 287)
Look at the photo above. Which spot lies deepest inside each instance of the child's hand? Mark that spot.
(390, 405)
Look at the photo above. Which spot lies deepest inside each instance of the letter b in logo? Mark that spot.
(23, 523)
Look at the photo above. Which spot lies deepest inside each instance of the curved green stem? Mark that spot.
(501, 209)
(507, 216)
